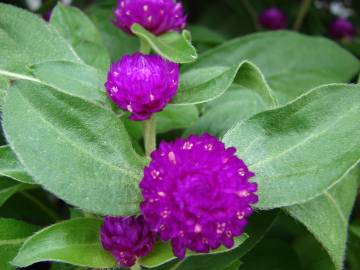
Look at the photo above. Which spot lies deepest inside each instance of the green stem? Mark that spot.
(136, 267)
(145, 47)
(302, 14)
(51, 213)
(252, 13)
(150, 135)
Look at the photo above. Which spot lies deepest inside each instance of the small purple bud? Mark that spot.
(47, 16)
(273, 19)
(127, 238)
(157, 16)
(197, 194)
(341, 29)
(142, 84)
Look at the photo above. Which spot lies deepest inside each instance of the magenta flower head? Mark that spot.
(197, 194)
(273, 19)
(127, 238)
(142, 84)
(341, 29)
(157, 16)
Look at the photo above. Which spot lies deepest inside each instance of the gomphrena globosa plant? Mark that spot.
(153, 135)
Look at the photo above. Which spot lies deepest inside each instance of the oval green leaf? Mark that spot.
(12, 234)
(327, 216)
(83, 35)
(11, 167)
(163, 253)
(75, 241)
(302, 149)
(205, 84)
(75, 149)
(173, 46)
(284, 57)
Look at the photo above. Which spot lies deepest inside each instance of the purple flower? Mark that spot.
(142, 84)
(273, 18)
(341, 29)
(157, 16)
(127, 238)
(197, 194)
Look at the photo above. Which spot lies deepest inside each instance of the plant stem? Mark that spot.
(252, 12)
(301, 14)
(136, 267)
(150, 135)
(145, 47)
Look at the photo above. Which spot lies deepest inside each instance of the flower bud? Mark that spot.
(341, 29)
(157, 16)
(142, 84)
(127, 238)
(197, 194)
(273, 19)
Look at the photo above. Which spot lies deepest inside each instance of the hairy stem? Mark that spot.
(150, 135)
(302, 14)
(145, 47)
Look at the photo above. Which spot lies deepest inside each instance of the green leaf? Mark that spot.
(12, 234)
(75, 79)
(219, 115)
(173, 46)
(4, 85)
(73, 241)
(9, 188)
(234, 266)
(284, 57)
(205, 35)
(172, 117)
(11, 167)
(302, 149)
(117, 42)
(205, 84)
(327, 216)
(163, 253)
(26, 39)
(83, 152)
(79, 30)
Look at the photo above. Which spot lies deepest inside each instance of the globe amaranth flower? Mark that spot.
(197, 194)
(127, 238)
(341, 29)
(142, 84)
(157, 16)
(273, 19)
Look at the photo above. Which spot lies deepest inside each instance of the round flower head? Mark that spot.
(157, 16)
(273, 18)
(341, 29)
(126, 238)
(197, 194)
(142, 84)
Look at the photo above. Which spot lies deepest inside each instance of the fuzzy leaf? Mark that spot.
(205, 84)
(327, 216)
(83, 152)
(173, 46)
(11, 167)
(83, 35)
(284, 57)
(302, 149)
(12, 234)
(73, 241)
